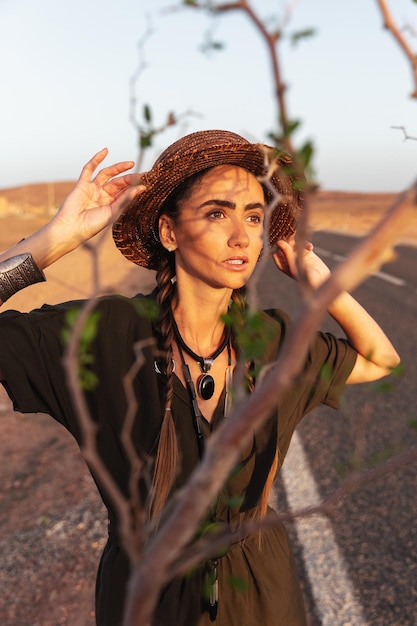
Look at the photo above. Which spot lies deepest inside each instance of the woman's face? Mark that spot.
(217, 236)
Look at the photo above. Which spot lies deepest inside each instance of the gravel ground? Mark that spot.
(52, 526)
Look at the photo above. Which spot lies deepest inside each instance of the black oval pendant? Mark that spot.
(205, 385)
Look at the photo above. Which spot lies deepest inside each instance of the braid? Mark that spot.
(166, 461)
(239, 298)
(240, 302)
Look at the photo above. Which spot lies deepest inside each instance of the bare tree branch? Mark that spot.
(271, 39)
(216, 543)
(390, 25)
(146, 133)
(131, 533)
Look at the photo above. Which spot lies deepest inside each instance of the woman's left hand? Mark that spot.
(286, 261)
(376, 355)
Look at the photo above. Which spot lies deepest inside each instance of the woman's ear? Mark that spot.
(166, 233)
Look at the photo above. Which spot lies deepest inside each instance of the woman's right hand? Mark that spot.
(97, 200)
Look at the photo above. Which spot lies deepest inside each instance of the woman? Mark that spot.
(198, 219)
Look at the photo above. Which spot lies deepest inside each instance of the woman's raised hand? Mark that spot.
(285, 259)
(97, 200)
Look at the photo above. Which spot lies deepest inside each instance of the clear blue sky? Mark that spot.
(66, 66)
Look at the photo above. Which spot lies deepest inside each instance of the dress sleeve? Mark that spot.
(31, 358)
(329, 362)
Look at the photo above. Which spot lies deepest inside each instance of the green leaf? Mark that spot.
(383, 455)
(399, 370)
(388, 385)
(251, 332)
(342, 469)
(88, 379)
(235, 503)
(235, 471)
(212, 45)
(217, 45)
(413, 423)
(147, 112)
(384, 387)
(296, 37)
(90, 329)
(146, 307)
(305, 154)
(326, 372)
(291, 127)
(145, 140)
(239, 584)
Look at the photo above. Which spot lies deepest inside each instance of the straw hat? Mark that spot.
(136, 231)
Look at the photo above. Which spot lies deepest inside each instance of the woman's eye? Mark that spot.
(255, 219)
(216, 215)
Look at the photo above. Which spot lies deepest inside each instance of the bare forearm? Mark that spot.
(46, 245)
(377, 356)
(94, 203)
(22, 264)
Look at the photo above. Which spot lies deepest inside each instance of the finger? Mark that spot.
(285, 258)
(280, 260)
(92, 164)
(302, 248)
(115, 185)
(111, 171)
(124, 198)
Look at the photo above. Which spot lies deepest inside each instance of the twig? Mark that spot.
(88, 427)
(271, 39)
(215, 543)
(406, 135)
(137, 465)
(390, 25)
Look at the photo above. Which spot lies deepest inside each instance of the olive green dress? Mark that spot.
(257, 577)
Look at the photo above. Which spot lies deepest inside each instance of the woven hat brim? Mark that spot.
(136, 231)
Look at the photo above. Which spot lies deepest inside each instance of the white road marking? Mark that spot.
(322, 252)
(333, 593)
(388, 278)
(394, 280)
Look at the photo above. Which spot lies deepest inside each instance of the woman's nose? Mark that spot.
(238, 237)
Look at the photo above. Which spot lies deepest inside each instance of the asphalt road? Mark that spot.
(375, 527)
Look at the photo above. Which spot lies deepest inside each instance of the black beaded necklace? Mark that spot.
(206, 386)
(205, 382)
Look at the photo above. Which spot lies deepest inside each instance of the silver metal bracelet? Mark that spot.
(18, 272)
